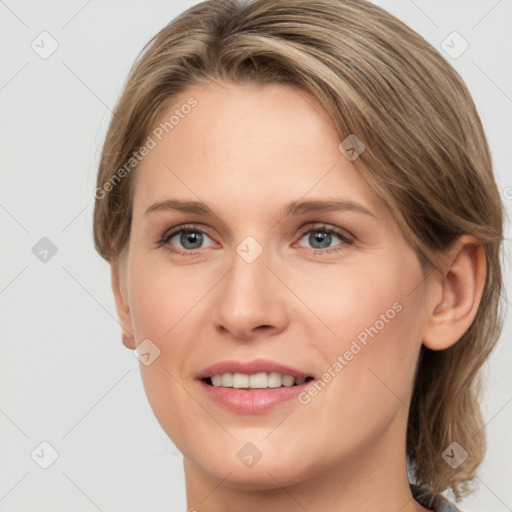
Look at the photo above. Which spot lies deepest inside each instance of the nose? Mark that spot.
(250, 300)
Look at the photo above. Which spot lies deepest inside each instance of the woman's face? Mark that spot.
(267, 281)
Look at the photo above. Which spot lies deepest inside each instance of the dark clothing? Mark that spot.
(430, 500)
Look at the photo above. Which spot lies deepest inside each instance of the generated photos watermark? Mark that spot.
(355, 348)
(152, 141)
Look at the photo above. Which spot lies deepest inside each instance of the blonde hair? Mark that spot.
(426, 156)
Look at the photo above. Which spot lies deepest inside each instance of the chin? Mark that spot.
(272, 473)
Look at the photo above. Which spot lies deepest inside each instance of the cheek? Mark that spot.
(160, 298)
(363, 303)
(159, 303)
(372, 351)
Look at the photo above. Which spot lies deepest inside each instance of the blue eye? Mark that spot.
(192, 238)
(321, 237)
(189, 237)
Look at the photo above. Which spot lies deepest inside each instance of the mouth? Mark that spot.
(252, 386)
(252, 382)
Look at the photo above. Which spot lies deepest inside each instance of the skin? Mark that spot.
(247, 152)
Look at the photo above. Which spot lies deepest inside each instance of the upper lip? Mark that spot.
(250, 368)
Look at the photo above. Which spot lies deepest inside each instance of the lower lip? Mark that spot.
(252, 401)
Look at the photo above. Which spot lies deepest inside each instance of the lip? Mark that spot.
(250, 368)
(252, 401)
(255, 400)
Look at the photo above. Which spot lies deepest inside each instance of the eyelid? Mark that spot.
(183, 227)
(310, 226)
(163, 240)
(341, 232)
(345, 236)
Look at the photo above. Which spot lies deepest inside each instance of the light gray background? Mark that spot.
(65, 377)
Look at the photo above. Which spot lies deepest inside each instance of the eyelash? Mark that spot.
(190, 228)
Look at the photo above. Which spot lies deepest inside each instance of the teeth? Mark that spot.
(256, 381)
(227, 380)
(240, 380)
(274, 380)
(288, 380)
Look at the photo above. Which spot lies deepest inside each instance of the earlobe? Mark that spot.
(457, 295)
(129, 342)
(122, 308)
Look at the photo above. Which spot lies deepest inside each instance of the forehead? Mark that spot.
(247, 146)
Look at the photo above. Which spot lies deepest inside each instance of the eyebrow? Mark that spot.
(294, 208)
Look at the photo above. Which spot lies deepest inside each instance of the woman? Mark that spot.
(298, 205)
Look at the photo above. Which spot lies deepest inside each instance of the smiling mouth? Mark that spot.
(257, 381)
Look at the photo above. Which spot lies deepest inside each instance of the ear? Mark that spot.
(456, 297)
(122, 307)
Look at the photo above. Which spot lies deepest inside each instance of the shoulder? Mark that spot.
(432, 501)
